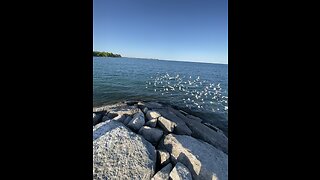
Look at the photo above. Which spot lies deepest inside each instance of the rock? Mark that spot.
(130, 110)
(194, 118)
(213, 127)
(153, 135)
(183, 112)
(119, 152)
(120, 118)
(201, 131)
(163, 174)
(145, 110)
(108, 116)
(181, 127)
(203, 160)
(180, 172)
(119, 108)
(131, 103)
(137, 121)
(219, 120)
(166, 125)
(127, 120)
(141, 105)
(152, 123)
(96, 118)
(152, 115)
(109, 107)
(111, 115)
(163, 157)
(105, 118)
(153, 105)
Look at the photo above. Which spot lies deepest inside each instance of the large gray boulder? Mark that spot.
(181, 127)
(152, 115)
(137, 121)
(166, 124)
(205, 133)
(120, 153)
(153, 135)
(180, 172)
(163, 174)
(202, 159)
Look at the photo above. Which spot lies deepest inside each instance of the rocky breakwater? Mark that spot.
(149, 140)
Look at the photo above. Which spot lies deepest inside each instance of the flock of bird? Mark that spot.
(194, 92)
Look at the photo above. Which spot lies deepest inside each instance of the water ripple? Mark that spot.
(197, 93)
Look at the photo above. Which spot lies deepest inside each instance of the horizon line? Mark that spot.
(176, 60)
(172, 60)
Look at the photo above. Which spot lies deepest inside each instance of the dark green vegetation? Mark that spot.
(105, 54)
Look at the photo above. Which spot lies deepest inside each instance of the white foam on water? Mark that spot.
(195, 93)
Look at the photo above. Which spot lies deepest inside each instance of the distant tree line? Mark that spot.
(105, 54)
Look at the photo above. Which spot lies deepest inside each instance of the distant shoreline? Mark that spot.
(104, 54)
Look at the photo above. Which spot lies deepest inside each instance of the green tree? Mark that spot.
(105, 54)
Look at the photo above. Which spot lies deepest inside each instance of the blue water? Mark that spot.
(200, 88)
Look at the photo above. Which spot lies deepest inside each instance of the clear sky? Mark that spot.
(184, 30)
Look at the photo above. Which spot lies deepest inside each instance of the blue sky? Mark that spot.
(184, 30)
